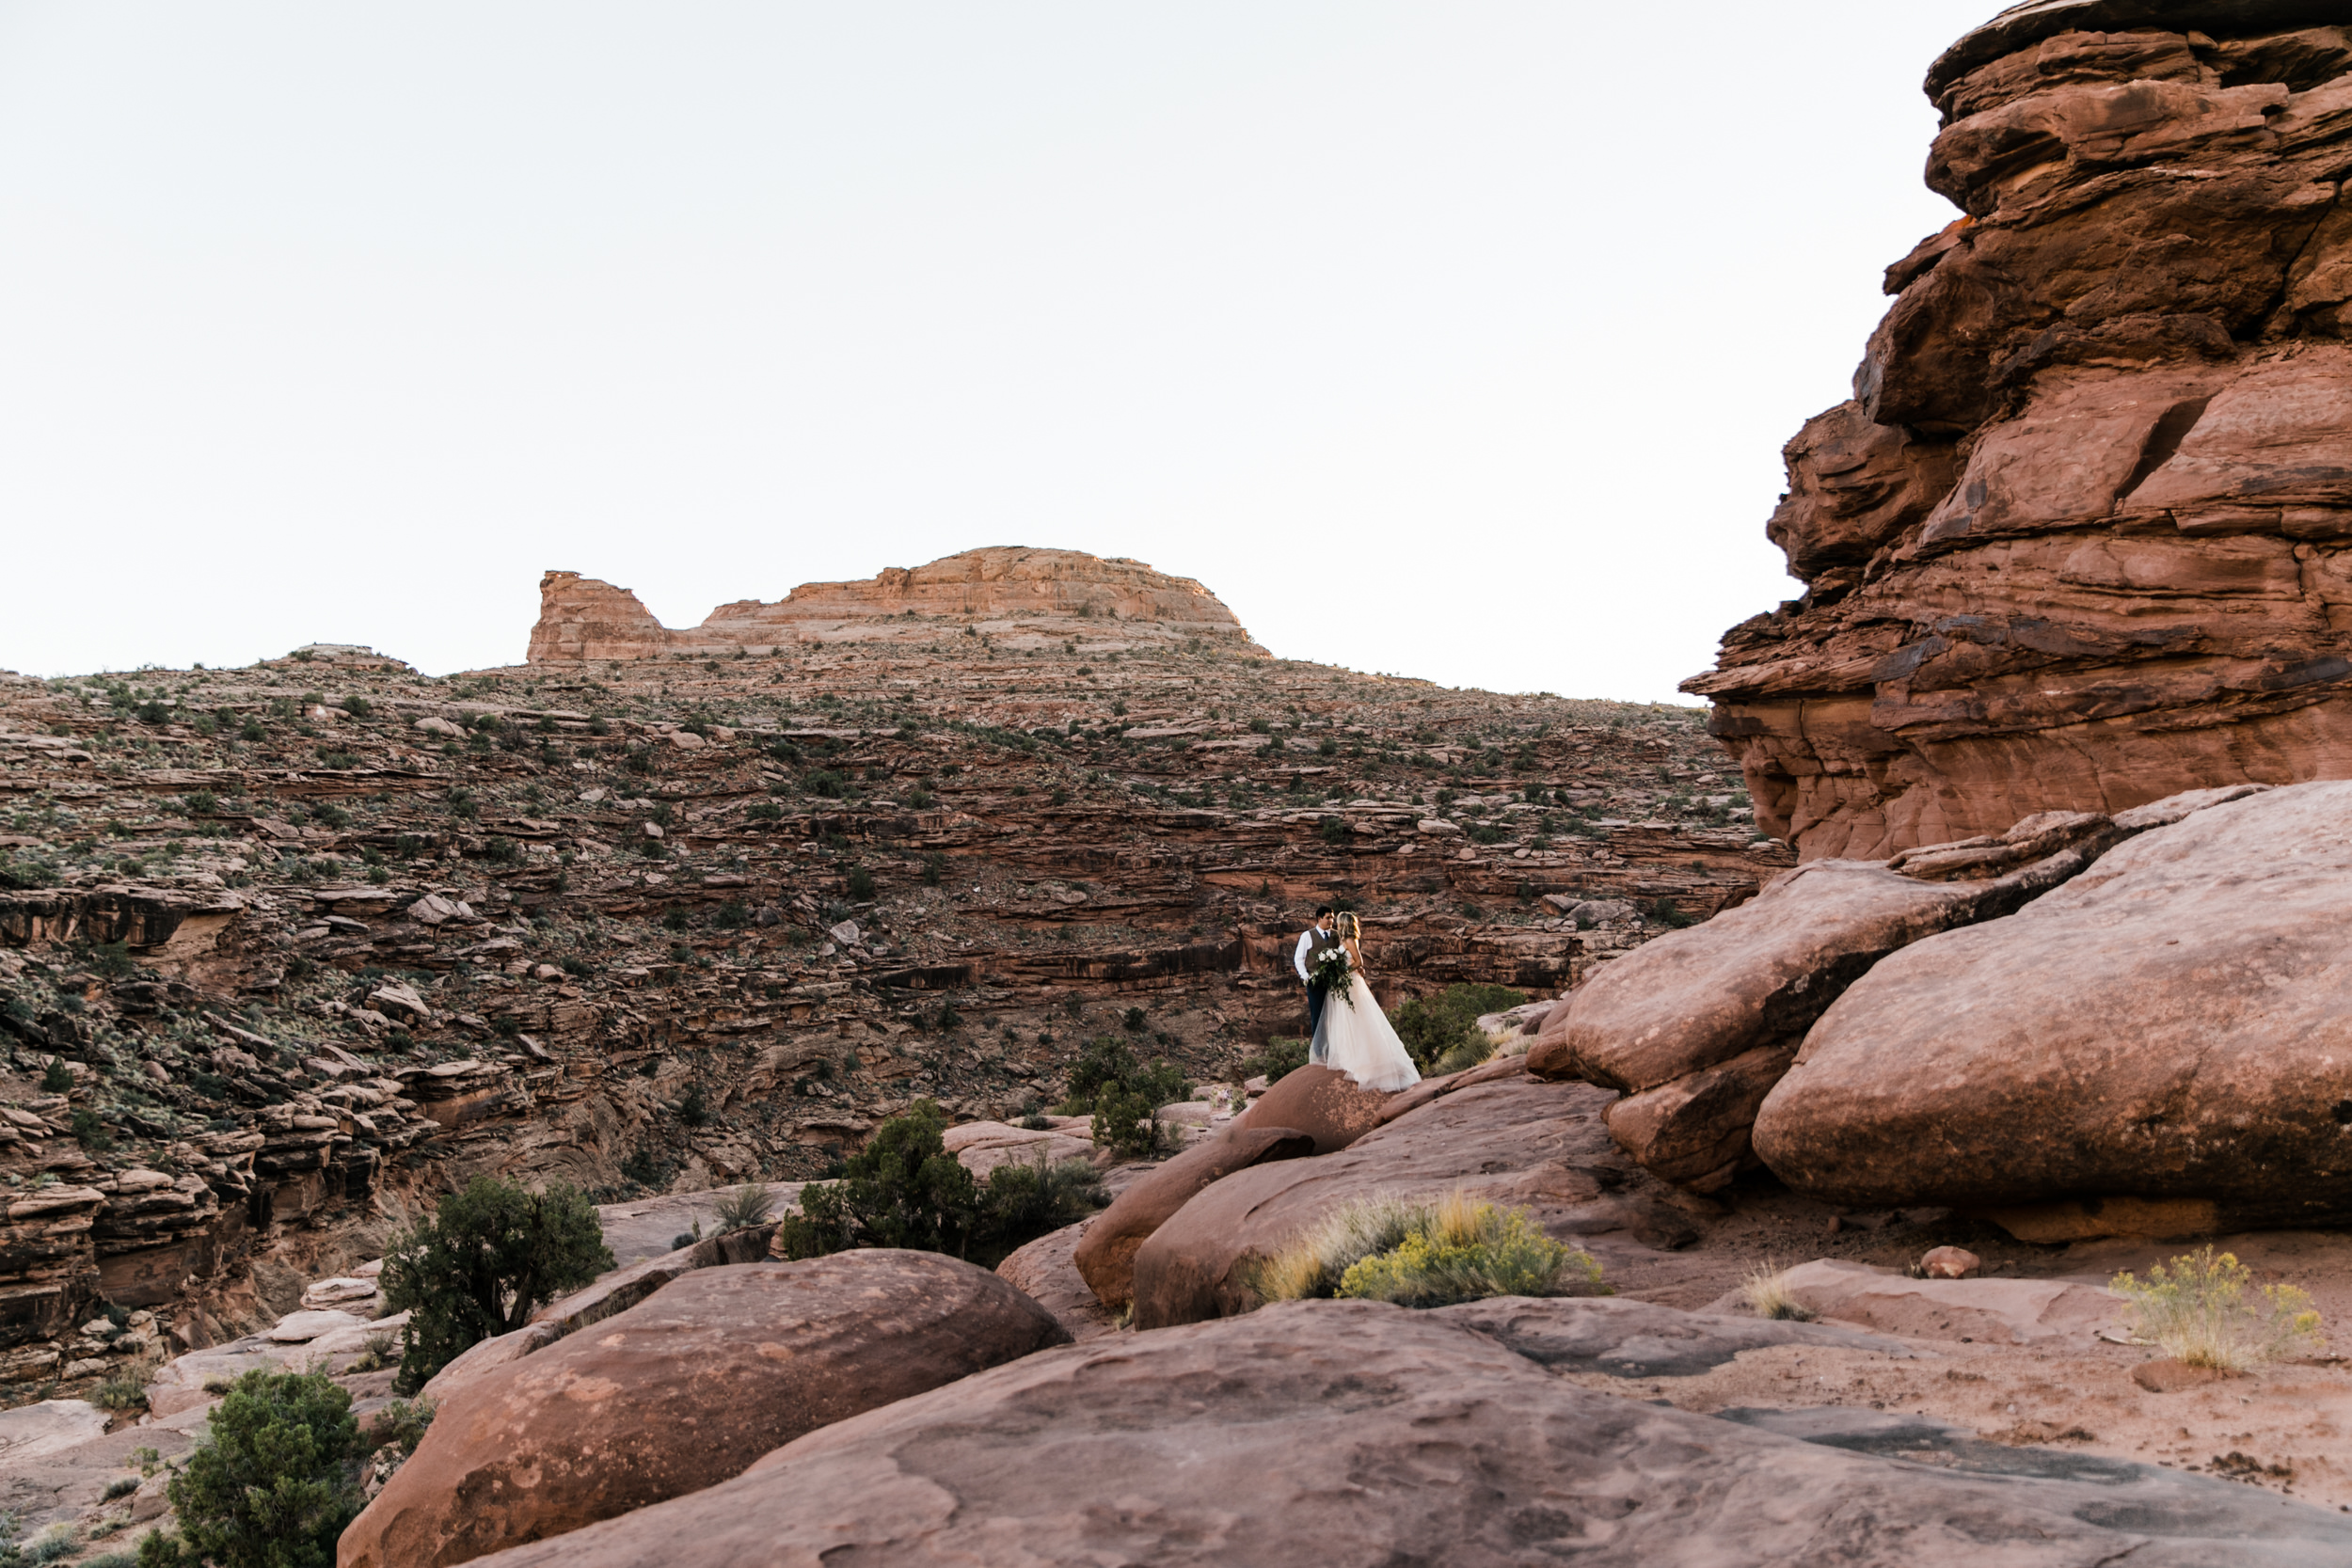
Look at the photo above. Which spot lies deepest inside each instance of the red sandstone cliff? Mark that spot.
(1006, 590)
(2084, 536)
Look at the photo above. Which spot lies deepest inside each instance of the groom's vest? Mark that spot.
(1318, 944)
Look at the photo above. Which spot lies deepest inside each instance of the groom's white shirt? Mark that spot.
(1298, 958)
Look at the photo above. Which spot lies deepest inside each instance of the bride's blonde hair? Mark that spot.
(1348, 926)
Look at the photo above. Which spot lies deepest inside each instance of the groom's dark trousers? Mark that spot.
(1315, 993)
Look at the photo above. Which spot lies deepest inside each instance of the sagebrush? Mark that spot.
(1460, 1248)
(2204, 1309)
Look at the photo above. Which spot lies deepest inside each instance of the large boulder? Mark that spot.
(2174, 1025)
(1323, 1102)
(1105, 1255)
(684, 1390)
(1697, 1026)
(1537, 1146)
(1351, 1435)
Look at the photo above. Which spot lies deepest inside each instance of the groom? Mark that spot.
(1312, 943)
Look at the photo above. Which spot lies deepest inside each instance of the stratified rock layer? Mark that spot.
(2174, 1025)
(1002, 592)
(2084, 537)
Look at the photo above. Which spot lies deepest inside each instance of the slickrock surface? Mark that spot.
(2083, 538)
(2175, 1023)
(685, 1391)
(1347, 1433)
(668, 924)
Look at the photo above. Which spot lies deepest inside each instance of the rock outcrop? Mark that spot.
(1352, 1434)
(1025, 598)
(684, 1390)
(2173, 1026)
(2083, 538)
(1541, 1147)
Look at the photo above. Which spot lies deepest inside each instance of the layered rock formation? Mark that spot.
(2083, 538)
(309, 939)
(1027, 597)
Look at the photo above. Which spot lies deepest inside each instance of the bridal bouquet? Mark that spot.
(1331, 971)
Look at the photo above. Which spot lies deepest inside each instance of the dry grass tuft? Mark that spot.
(1768, 1295)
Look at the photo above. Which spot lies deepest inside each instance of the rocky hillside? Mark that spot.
(2080, 539)
(285, 949)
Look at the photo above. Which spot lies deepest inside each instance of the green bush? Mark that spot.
(54, 1078)
(90, 1131)
(1469, 1251)
(1424, 1255)
(491, 1257)
(824, 781)
(861, 884)
(272, 1487)
(1447, 1023)
(903, 1189)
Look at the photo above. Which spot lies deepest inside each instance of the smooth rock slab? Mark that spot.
(1988, 1312)
(1640, 1339)
(2175, 1023)
(1350, 1434)
(684, 1390)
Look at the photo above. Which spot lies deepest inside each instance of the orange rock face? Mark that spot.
(2083, 539)
(1018, 595)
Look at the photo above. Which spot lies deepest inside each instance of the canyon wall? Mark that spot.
(2083, 536)
(1029, 596)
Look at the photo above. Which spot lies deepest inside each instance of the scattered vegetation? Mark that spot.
(2204, 1309)
(273, 1486)
(903, 1189)
(1282, 1055)
(1123, 1095)
(1442, 1032)
(491, 1255)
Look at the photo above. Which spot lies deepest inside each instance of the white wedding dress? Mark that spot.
(1358, 1041)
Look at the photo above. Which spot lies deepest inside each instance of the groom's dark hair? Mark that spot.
(1322, 910)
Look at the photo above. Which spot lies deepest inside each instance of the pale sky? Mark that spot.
(1451, 340)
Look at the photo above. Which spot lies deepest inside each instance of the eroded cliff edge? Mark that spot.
(2083, 536)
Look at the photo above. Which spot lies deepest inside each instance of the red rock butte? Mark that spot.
(1017, 595)
(2083, 536)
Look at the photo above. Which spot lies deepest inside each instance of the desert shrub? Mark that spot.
(744, 1209)
(401, 1422)
(1767, 1293)
(1663, 911)
(54, 1078)
(934, 867)
(1426, 1255)
(1469, 1251)
(903, 1189)
(272, 1487)
(693, 1109)
(860, 883)
(1435, 1026)
(2204, 1309)
(125, 1390)
(1108, 1062)
(491, 1255)
(764, 811)
(90, 1131)
(824, 781)
(1333, 829)
(1133, 1020)
(376, 1353)
(1311, 1267)
(1282, 1055)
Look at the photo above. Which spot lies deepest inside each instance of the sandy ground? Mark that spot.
(2287, 1426)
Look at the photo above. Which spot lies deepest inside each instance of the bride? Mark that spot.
(1354, 1035)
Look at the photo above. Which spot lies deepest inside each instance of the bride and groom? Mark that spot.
(1351, 1032)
